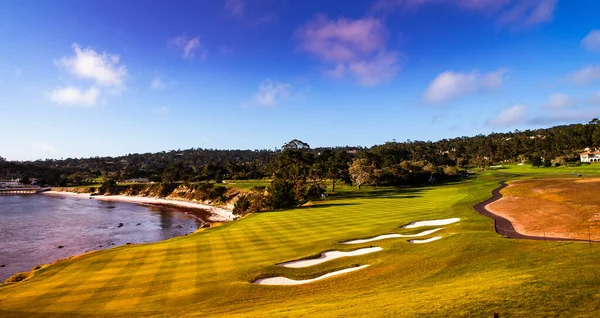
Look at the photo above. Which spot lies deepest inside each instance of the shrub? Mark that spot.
(315, 190)
(242, 205)
(450, 171)
(217, 192)
(281, 194)
(17, 277)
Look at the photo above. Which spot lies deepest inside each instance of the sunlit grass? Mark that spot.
(471, 271)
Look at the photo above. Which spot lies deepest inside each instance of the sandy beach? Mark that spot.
(217, 214)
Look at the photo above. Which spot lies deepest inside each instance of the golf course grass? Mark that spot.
(470, 271)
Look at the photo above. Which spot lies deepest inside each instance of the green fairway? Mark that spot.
(471, 271)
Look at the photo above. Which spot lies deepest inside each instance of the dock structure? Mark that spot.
(21, 191)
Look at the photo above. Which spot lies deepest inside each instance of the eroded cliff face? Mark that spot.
(74, 189)
(215, 195)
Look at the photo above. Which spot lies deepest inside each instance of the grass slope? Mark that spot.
(470, 271)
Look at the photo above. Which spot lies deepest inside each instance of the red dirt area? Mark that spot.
(565, 208)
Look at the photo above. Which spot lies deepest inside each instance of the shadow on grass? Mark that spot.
(377, 193)
(327, 205)
(316, 204)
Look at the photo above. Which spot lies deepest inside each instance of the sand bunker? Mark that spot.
(388, 236)
(431, 223)
(327, 256)
(286, 281)
(431, 239)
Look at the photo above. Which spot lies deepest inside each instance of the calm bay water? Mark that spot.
(33, 226)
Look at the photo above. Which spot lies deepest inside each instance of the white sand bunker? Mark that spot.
(286, 281)
(388, 236)
(435, 238)
(431, 223)
(327, 256)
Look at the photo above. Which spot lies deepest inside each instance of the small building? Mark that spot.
(590, 156)
(137, 180)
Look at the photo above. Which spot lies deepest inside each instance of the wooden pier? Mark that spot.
(21, 191)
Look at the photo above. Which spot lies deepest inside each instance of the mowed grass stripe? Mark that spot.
(470, 271)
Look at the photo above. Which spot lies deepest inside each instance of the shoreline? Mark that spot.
(504, 226)
(216, 214)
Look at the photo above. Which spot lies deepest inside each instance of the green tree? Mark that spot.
(361, 171)
(293, 166)
(281, 194)
(536, 161)
(337, 167)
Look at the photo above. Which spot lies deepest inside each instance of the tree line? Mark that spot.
(298, 172)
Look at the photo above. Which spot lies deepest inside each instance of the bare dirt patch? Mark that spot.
(552, 208)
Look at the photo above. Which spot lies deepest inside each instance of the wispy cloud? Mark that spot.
(522, 14)
(452, 85)
(585, 75)
(73, 96)
(591, 42)
(271, 93)
(558, 101)
(188, 47)
(564, 117)
(355, 48)
(157, 83)
(235, 8)
(509, 117)
(514, 14)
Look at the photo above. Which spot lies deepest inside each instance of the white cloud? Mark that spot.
(271, 93)
(511, 116)
(73, 96)
(355, 48)
(162, 110)
(157, 83)
(591, 42)
(188, 46)
(105, 69)
(451, 85)
(585, 75)
(559, 100)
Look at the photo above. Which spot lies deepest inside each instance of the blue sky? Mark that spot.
(87, 78)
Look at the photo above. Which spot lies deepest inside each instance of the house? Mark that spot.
(590, 156)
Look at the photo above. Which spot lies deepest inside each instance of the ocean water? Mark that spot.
(32, 227)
